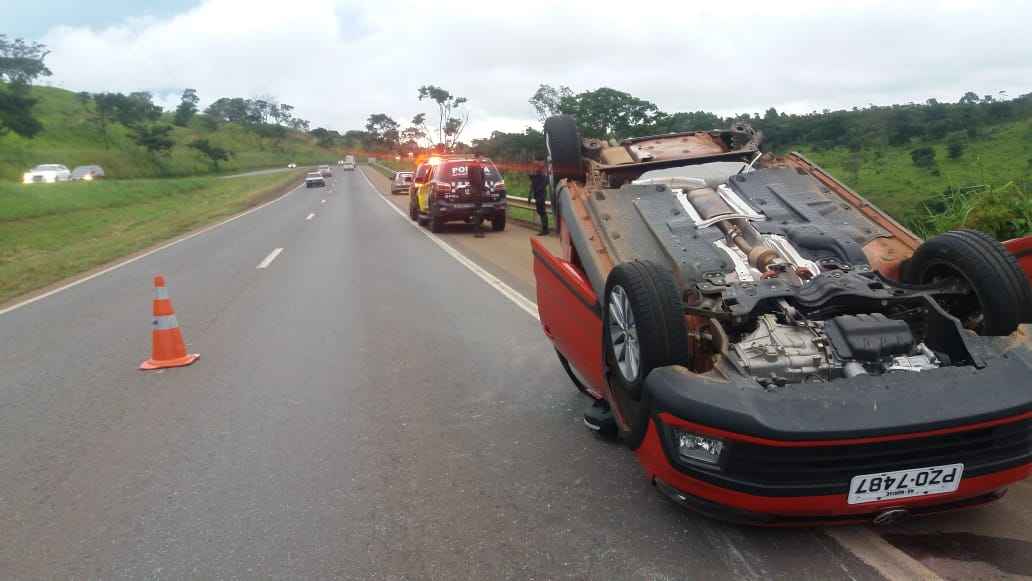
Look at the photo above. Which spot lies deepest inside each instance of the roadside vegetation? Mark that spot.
(932, 165)
(131, 138)
(49, 232)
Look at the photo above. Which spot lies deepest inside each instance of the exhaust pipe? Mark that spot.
(891, 516)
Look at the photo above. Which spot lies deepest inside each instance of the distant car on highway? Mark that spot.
(445, 196)
(46, 173)
(291, 165)
(315, 179)
(87, 173)
(402, 182)
(325, 171)
(348, 163)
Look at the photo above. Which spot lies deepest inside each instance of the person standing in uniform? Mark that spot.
(539, 193)
(475, 175)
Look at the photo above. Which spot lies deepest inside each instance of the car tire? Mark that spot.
(643, 328)
(563, 145)
(498, 222)
(436, 223)
(1002, 295)
(413, 210)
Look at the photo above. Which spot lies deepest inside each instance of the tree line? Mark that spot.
(145, 122)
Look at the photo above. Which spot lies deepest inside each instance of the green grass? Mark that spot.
(49, 232)
(888, 177)
(71, 139)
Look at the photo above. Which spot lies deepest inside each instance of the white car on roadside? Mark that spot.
(47, 173)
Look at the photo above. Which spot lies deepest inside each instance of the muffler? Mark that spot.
(891, 516)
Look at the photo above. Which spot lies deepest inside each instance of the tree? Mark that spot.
(136, 108)
(153, 138)
(20, 64)
(187, 107)
(104, 107)
(547, 99)
(923, 157)
(214, 153)
(606, 113)
(383, 130)
(451, 118)
(969, 98)
(955, 149)
(327, 138)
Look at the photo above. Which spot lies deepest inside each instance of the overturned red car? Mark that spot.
(776, 349)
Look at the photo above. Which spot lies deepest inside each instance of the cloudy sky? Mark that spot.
(337, 61)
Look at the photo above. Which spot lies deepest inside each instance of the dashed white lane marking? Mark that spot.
(310, 216)
(141, 256)
(507, 291)
(867, 545)
(268, 259)
(322, 201)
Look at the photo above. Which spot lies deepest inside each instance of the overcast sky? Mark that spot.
(338, 61)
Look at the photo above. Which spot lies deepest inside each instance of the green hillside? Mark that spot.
(999, 159)
(70, 137)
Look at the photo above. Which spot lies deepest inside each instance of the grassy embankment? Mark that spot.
(991, 181)
(72, 137)
(49, 232)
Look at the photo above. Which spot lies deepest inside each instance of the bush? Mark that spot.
(955, 149)
(1004, 212)
(923, 157)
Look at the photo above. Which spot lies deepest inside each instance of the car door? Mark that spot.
(571, 315)
(423, 193)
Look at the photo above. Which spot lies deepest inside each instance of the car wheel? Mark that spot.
(413, 211)
(563, 145)
(643, 328)
(999, 297)
(436, 223)
(498, 222)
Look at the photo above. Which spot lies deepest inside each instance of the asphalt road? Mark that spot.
(365, 408)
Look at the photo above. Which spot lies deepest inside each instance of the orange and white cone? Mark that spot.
(167, 346)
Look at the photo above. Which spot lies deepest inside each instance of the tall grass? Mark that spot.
(1005, 212)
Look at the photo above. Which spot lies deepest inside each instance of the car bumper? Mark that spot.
(789, 456)
(315, 184)
(466, 211)
(724, 503)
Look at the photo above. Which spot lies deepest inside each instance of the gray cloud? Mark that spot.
(338, 61)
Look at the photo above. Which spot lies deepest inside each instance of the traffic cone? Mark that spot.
(167, 347)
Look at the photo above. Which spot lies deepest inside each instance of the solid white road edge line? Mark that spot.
(310, 216)
(507, 291)
(268, 259)
(880, 555)
(141, 256)
(868, 546)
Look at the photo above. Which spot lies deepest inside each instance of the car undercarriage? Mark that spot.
(754, 296)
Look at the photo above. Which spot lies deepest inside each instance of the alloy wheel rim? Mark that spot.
(623, 334)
